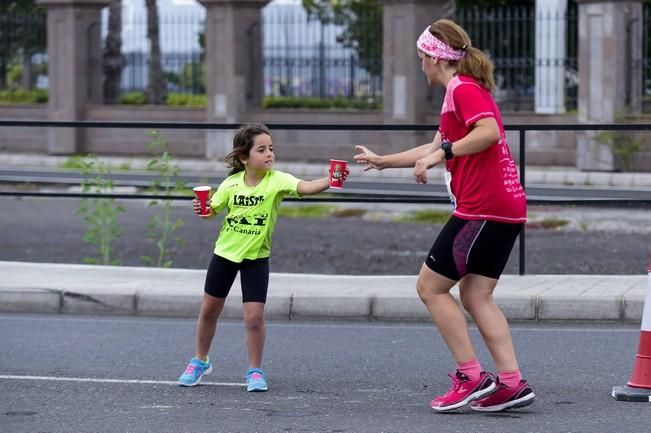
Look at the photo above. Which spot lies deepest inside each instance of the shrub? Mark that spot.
(36, 96)
(340, 103)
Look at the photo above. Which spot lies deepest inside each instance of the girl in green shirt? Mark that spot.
(251, 194)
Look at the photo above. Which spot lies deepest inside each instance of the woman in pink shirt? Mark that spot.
(489, 204)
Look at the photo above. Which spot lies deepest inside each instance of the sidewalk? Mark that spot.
(85, 289)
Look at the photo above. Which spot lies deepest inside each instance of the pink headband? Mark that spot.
(435, 47)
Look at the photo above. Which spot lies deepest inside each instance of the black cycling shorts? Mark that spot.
(254, 278)
(472, 247)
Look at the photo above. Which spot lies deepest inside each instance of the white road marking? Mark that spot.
(587, 326)
(95, 380)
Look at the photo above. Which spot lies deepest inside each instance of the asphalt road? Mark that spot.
(110, 374)
(595, 241)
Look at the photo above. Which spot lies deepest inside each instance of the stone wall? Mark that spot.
(544, 148)
(27, 140)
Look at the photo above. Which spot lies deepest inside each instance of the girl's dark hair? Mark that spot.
(474, 63)
(242, 144)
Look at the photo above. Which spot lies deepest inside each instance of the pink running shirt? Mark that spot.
(484, 185)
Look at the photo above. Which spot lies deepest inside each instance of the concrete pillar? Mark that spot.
(234, 69)
(550, 56)
(405, 95)
(74, 67)
(605, 74)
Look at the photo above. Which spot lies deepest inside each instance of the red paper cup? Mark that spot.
(337, 170)
(202, 192)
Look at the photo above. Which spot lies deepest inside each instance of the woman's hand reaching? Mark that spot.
(371, 159)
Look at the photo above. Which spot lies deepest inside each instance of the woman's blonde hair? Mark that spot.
(242, 144)
(474, 63)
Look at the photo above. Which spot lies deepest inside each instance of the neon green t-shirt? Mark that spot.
(252, 213)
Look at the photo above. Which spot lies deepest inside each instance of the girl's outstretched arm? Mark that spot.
(309, 187)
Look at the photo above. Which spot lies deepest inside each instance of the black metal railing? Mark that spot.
(522, 129)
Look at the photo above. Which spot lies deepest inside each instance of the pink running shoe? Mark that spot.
(463, 391)
(505, 398)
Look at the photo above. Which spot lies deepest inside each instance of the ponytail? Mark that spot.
(477, 64)
(474, 62)
(233, 162)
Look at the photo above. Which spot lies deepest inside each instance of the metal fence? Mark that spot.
(521, 129)
(304, 57)
(643, 65)
(23, 57)
(181, 52)
(508, 36)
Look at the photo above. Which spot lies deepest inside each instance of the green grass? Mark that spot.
(425, 216)
(307, 211)
(553, 223)
(319, 211)
(73, 162)
(349, 212)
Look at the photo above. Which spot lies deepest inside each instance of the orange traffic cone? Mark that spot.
(638, 387)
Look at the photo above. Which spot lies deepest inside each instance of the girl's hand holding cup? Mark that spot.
(201, 202)
(196, 208)
(338, 173)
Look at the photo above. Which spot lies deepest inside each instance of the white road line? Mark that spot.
(94, 380)
(523, 326)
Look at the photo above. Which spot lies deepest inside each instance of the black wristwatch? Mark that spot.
(447, 148)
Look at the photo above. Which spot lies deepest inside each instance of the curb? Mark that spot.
(155, 292)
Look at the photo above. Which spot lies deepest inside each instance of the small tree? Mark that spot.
(99, 213)
(161, 227)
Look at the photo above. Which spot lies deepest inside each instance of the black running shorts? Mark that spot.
(254, 278)
(472, 247)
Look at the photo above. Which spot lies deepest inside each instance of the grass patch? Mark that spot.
(425, 216)
(307, 211)
(349, 212)
(553, 223)
(319, 211)
(74, 162)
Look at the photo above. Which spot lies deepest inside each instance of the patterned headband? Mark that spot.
(434, 47)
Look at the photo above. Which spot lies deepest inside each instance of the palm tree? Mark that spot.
(156, 88)
(113, 60)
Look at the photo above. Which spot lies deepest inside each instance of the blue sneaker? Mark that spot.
(255, 380)
(193, 373)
